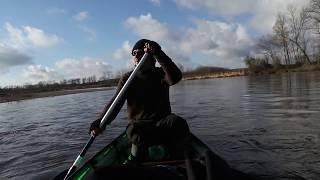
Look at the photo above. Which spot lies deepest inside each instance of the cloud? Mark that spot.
(68, 68)
(10, 57)
(81, 16)
(155, 2)
(16, 36)
(37, 73)
(225, 40)
(57, 11)
(39, 38)
(147, 27)
(123, 53)
(84, 67)
(214, 41)
(261, 13)
(27, 36)
(265, 12)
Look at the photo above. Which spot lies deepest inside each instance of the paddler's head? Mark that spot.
(138, 51)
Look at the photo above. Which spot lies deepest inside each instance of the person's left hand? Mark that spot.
(95, 129)
(152, 48)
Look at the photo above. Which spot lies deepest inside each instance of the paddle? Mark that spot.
(106, 118)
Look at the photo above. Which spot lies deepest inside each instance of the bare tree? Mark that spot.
(268, 46)
(314, 12)
(281, 32)
(298, 29)
(314, 15)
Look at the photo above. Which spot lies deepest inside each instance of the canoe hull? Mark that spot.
(198, 162)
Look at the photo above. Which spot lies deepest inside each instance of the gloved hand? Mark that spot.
(95, 129)
(152, 47)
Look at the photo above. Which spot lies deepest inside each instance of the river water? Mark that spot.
(264, 125)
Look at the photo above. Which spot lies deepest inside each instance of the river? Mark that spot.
(263, 125)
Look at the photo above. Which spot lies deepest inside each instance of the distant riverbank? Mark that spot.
(194, 76)
(41, 92)
(25, 96)
(222, 74)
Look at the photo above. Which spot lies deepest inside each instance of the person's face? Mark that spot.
(137, 55)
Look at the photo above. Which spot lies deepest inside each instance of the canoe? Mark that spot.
(198, 162)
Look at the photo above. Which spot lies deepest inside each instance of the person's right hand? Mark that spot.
(152, 47)
(95, 129)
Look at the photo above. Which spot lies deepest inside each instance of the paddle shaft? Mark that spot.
(106, 118)
(77, 162)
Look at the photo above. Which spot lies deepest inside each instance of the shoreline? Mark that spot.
(226, 74)
(51, 94)
(28, 96)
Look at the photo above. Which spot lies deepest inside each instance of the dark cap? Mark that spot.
(139, 44)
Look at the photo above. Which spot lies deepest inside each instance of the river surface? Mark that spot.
(265, 125)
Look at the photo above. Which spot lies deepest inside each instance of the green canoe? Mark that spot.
(198, 163)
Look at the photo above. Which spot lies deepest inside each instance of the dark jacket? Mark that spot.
(148, 94)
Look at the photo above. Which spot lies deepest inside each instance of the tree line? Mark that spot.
(90, 82)
(47, 86)
(293, 42)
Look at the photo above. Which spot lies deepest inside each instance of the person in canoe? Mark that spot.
(148, 105)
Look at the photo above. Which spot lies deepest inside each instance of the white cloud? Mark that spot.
(68, 68)
(262, 13)
(265, 12)
(85, 67)
(220, 44)
(28, 36)
(37, 73)
(147, 27)
(215, 42)
(217, 38)
(16, 36)
(155, 2)
(123, 53)
(10, 57)
(81, 16)
(39, 38)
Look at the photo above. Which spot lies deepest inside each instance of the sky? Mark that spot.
(45, 40)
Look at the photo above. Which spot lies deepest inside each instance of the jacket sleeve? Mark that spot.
(172, 73)
(118, 107)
